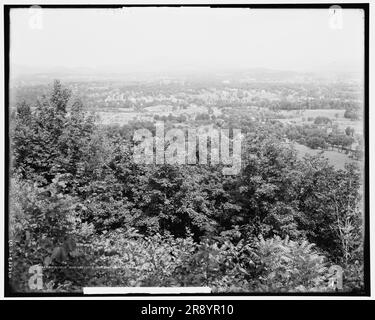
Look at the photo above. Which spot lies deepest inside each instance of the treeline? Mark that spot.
(78, 198)
(316, 103)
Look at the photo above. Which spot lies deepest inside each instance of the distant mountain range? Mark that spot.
(42, 75)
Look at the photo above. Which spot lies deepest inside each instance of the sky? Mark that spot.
(164, 39)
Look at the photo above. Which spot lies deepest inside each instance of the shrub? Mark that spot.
(42, 221)
(290, 266)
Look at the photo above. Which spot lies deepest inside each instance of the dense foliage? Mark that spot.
(85, 211)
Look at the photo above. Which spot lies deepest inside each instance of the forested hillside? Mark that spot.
(82, 208)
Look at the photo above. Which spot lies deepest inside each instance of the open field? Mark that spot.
(335, 158)
(121, 118)
(118, 116)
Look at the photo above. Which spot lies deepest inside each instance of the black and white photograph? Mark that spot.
(186, 149)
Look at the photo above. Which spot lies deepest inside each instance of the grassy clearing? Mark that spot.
(335, 158)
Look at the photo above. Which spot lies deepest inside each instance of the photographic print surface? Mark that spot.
(195, 149)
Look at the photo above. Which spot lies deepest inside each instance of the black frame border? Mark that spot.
(363, 6)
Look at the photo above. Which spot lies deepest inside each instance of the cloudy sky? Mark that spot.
(154, 39)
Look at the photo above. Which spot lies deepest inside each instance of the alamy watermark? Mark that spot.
(203, 145)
